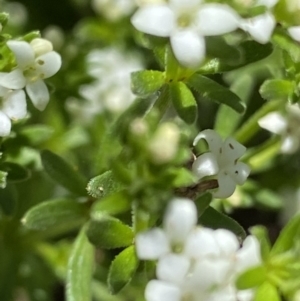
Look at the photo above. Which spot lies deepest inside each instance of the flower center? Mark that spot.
(185, 19)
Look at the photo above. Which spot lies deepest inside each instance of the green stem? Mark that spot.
(140, 218)
(251, 127)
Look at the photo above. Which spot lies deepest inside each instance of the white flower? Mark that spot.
(35, 62)
(13, 107)
(111, 91)
(114, 9)
(186, 23)
(195, 263)
(222, 160)
(294, 32)
(286, 126)
(261, 27)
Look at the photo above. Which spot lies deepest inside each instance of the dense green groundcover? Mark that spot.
(81, 179)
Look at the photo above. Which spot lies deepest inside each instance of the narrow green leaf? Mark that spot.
(103, 185)
(80, 270)
(183, 101)
(15, 172)
(112, 204)
(211, 90)
(108, 232)
(122, 270)
(252, 277)
(146, 82)
(37, 133)
(267, 291)
(55, 214)
(261, 233)
(268, 199)
(203, 202)
(3, 179)
(63, 173)
(274, 89)
(214, 219)
(288, 236)
(8, 200)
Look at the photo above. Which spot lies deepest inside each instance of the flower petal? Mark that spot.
(201, 243)
(38, 93)
(216, 19)
(14, 105)
(245, 295)
(227, 241)
(23, 52)
(231, 151)
(249, 255)
(294, 32)
(162, 291)
(188, 47)
(267, 3)
(260, 27)
(289, 144)
(213, 140)
(173, 268)
(226, 186)
(158, 20)
(239, 172)
(13, 80)
(151, 244)
(205, 165)
(180, 219)
(5, 125)
(273, 122)
(48, 64)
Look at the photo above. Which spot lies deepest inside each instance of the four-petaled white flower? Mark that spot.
(195, 263)
(222, 161)
(287, 126)
(35, 62)
(261, 27)
(294, 32)
(186, 23)
(13, 107)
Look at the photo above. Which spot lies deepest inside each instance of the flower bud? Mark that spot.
(55, 35)
(164, 144)
(41, 46)
(139, 127)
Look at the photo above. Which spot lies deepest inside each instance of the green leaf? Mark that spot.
(211, 90)
(112, 204)
(37, 133)
(183, 101)
(15, 172)
(8, 200)
(57, 214)
(146, 82)
(3, 179)
(288, 236)
(274, 89)
(108, 232)
(80, 270)
(268, 199)
(252, 277)
(251, 52)
(267, 291)
(214, 219)
(122, 270)
(63, 173)
(261, 233)
(103, 185)
(281, 39)
(203, 202)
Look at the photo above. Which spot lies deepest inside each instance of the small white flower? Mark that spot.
(261, 27)
(294, 32)
(12, 107)
(288, 127)
(207, 266)
(35, 62)
(186, 23)
(222, 161)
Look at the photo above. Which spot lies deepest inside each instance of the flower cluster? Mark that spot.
(111, 88)
(222, 161)
(287, 126)
(195, 263)
(187, 23)
(35, 62)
